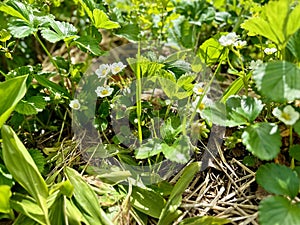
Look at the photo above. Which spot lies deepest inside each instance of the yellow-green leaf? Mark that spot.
(102, 21)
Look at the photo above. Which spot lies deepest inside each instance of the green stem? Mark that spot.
(46, 50)
(138, 94)
(291, 144)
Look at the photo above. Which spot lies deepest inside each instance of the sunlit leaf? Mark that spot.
(204, 220)
(102, 21)
(5, 194)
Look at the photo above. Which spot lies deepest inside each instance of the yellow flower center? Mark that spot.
(104, 92)
(286, 116)
(201, 106)
(104, 72)
(200, 90)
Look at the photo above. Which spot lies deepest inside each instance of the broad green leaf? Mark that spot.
(294, 151)
(147, 201)
(293, 45)
(277, 22)
(5, 194)
(277, 210)
(86, 200)
(278, 179)
(279, 81)
(180, 151)
(170, 212)
(149, 149)
(20, 29)
(246, 108)
(102, 21)
(236, 111)
(262, 140)
(62, 31)
(129, 31)
(22, 167)
(88, 6)
(74, 215)
(11, 92)
(28, 207)
(204, 220)
(31, 106)
(89, 44)
(211, 51)
(16, 9)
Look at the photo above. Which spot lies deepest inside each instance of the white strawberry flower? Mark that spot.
(204, 103)
(288, 115)
(103, 70)
(228, 39)
(255, 64)
(199, 88)
(104, 91)
(240, 44)
(270, 51)
(117, 67)
(74, 104)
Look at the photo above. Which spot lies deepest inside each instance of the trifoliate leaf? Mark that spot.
(262, 140)
(277, 210)
(102, 21)
(278, 179)
(89, 44)
(279, 81)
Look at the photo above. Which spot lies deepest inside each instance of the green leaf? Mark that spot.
(211, 51)
(129, 31)
(75, 217)
(5, 177)
(27, 206)
(246, 108)
(57, 213)
(51, 85)
(297, 127)
(88, 6)
(236, 111)
(262, 140)
(23, 169)
(294, 151)
(24, 220)
(180, 151)
(62, 31)
(279, 81)
(149, 149)
(89, 44)
(16, 9)
(147, 201)
(278, 179)
(11, 92)
(20, 29)
(170, 212)
(293, 45)
(86, 199)
(5, 195)
(277, 22)
(204, 220)
(102, 21)
(32, 106)
(277, 210)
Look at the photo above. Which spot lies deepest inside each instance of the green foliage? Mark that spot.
(262, 140)
(282, 182)
(11, 91)
(204, 220)
(278, 210)
(5, 194)
(277, 22)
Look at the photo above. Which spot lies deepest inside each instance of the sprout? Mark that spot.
(288, 115)
(117, 67)
(229, 39)
(103, 70)
(74, 104)
(104, 91)
(270, 51)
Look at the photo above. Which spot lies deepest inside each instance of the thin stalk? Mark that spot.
(291, 144)
(46, 50)
(139, 94)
